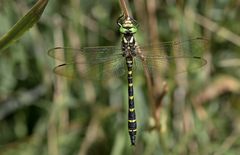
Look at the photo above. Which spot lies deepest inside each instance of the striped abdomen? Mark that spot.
(132, 123)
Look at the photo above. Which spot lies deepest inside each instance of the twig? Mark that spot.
(124, 8)
(162, 94)
(150, 89)
(154, 103)
(158, 104)
(146, 72)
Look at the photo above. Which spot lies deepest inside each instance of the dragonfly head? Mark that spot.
(127, 25)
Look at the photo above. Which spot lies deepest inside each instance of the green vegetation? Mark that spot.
(196, 112)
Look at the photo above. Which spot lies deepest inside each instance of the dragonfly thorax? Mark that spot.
(128, 45)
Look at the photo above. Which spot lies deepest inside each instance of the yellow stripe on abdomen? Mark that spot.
(131, 97)
(132, 121)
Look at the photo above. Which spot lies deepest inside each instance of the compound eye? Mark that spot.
(123, 30)
(133, 30)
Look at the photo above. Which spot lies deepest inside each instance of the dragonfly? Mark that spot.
(105, 61)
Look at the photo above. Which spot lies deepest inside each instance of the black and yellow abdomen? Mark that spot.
(132, 123)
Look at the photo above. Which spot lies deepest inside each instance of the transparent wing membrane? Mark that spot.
(93, 71)
(178, 57)
(107, 61)
(92, 54)
(173, 65)
(191, 47)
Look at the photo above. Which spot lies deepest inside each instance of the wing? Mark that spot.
(92, 54)
(95, 63)
(105, 61)
(174, 57)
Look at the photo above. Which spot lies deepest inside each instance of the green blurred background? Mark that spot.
(41, 113)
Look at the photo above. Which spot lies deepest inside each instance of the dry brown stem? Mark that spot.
(124, 8)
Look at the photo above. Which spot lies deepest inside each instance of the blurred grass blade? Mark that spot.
(24, 24)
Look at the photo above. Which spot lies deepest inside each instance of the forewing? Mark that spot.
(92, 54)
(175, 57)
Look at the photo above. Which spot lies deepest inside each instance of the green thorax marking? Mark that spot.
(128, 26)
